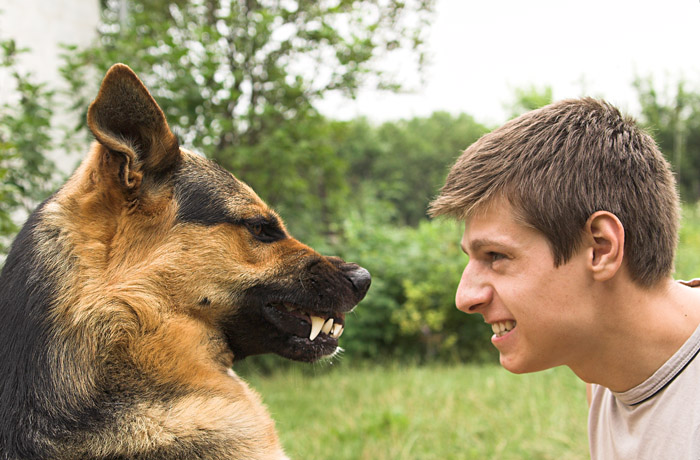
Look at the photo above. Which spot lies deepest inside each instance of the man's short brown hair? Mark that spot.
(558, 165)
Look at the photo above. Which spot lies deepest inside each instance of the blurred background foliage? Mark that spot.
(26, 170)
(240, 82)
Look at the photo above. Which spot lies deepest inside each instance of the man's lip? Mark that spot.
(491, 321)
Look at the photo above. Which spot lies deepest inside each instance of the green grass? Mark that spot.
(435, 412)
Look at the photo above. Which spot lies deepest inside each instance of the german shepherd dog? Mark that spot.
(127, 296)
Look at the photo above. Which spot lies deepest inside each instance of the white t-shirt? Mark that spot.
(656, 420)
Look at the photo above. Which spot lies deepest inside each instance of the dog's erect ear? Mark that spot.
(128, 122)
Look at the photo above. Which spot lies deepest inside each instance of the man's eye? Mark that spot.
(494, 256)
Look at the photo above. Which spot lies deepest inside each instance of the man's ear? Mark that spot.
(127, 121)
(606, 236)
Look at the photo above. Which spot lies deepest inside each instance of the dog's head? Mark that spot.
(183, 236)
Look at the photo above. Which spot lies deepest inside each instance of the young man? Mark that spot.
(572, 220)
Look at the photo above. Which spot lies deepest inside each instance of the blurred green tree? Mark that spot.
(672, 115)
(404, 162)
(529, 98)
(241, 79)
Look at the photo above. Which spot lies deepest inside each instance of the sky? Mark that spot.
(482, 50)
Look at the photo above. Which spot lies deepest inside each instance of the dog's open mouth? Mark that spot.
(294, 319)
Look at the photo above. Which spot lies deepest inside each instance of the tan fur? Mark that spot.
(114, 301)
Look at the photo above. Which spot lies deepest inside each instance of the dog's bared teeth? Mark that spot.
(316, 326)
(337, 330)
(327, 326)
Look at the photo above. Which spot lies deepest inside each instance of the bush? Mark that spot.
(25, 141)
(409, 311)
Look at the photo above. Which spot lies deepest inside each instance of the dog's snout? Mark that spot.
(361, 279)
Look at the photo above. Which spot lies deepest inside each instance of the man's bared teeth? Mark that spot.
(327, 326)
(316, 326)
(337, 330)
(502, 327)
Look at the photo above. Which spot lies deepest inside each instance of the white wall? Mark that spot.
(42, 25)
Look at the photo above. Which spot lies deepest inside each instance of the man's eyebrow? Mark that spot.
(479, 243)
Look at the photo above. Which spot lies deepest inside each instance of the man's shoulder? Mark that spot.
(665, 424)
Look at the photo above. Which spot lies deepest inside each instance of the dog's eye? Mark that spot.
(256, 229)
(265, 231)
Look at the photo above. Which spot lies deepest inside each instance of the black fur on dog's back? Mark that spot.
(25, 363)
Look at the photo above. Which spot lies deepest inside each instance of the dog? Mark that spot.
(129, 293)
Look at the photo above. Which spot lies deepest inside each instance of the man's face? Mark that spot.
(538, 312)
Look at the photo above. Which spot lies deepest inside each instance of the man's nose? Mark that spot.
(472, 293)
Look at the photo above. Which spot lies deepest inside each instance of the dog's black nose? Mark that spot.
(361, 279)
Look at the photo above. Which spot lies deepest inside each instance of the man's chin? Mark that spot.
(519, 366)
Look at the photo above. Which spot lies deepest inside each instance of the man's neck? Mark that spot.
(636, 331)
